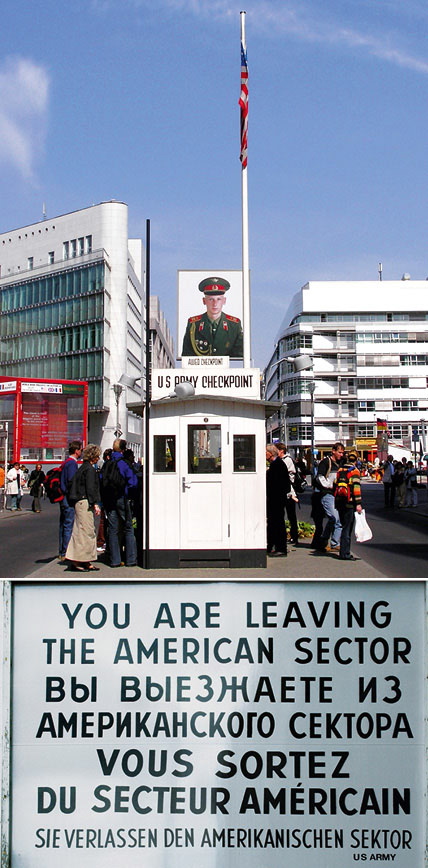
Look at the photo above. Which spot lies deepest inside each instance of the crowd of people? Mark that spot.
(100, 502)
(400, 483)
(17, 478)
(111, 494)
(336, 497)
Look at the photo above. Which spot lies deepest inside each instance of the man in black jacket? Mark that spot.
(278, 488)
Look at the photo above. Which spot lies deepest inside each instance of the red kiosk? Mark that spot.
(42, 417)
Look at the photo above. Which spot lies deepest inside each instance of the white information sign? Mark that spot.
(42, 387)
(267, 725)
(205, 362)
(229, 382)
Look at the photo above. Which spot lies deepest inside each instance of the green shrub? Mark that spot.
(305, 528)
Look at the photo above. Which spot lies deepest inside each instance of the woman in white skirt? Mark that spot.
(84, 494)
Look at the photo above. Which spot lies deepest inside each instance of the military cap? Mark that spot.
(214, 286)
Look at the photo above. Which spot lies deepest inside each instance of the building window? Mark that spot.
(346, 363)
(244, 453)
(51, 257)
(81, 246)
(88, 241)
(30, 263)
(413, 360)
(73, 247)
(383, 382)
(404, 405)
(366, 406)
(66, 250)
(295, 387)
(383, 337)
(366, 431)
(164, 453)
(299, 432)
(295, 342)
(204, 449)
(397, 432)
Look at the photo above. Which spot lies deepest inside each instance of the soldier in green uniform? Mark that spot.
(213, 333)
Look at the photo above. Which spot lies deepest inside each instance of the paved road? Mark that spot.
(398, 549)
(27, 540)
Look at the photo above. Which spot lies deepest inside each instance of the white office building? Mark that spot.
(72, 307)
(369, 344)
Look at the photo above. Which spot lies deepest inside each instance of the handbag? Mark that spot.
(361, 528)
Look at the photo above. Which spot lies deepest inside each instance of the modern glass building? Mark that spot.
(72, 307)
(369, 344)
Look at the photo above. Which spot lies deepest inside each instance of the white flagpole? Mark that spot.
(245, 255)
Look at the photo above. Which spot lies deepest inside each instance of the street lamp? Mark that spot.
(127, 380)
(300, 363)
(117, 389)
(185, 389)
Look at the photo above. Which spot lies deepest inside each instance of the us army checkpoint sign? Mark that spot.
(262, 724)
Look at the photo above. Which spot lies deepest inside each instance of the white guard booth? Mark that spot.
(207, 478)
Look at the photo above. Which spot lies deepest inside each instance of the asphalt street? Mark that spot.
(398, 549)
(28, 540)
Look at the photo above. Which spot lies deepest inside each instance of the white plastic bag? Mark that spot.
(362, 530)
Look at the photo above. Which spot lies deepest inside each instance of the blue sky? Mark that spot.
(137, 100)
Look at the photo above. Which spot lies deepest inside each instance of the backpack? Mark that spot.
(316, 482)
(52, 485)
(299, 483)
(112, 482)
(341, 488)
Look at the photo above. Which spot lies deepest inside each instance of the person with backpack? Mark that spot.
(347, 499)
(66, 510)
(324, 482)
(118, 485)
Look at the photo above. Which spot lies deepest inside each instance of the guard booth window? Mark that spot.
(164, 453)
(244, 453)
(204, 449)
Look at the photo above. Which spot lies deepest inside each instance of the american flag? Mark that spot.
(243, 102)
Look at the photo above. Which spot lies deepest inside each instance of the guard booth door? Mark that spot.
(204, 521)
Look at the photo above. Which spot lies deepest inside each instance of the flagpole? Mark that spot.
(245, 253)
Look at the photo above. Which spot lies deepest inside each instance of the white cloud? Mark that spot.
(304, 21)
(24, 95)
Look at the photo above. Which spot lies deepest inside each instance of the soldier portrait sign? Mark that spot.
(265, 724)
(210, 314)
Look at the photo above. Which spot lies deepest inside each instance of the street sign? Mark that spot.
(177, 724)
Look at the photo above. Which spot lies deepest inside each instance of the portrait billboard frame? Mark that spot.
(190, 299)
